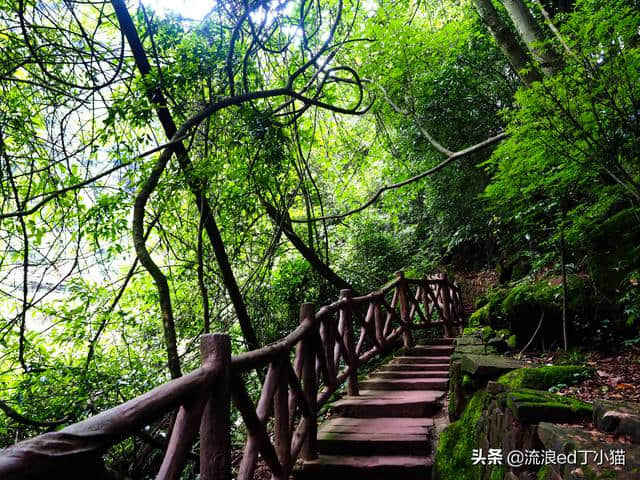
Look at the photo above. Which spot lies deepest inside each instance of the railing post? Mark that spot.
(281, 419)
(309, 386)
(447, 306)
(403, 300)
(426, 288)
(215, 428)
(349, 341)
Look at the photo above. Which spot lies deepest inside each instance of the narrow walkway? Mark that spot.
(386, 433)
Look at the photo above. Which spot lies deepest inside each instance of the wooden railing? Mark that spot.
(303, 370)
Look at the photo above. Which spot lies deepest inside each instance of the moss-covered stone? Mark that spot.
(487, 333)
(564, 439)
(455, 389)
(519, 306)
(457, 441)
(512, 342)
(479, 317)
(533, 406)
(488, 365)
(472, 344)
(614, 244)
(543, 378)
(621, 418)
(481, 349)
(474, 337)
(498, 343)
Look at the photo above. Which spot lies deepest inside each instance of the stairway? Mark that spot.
(386, 431)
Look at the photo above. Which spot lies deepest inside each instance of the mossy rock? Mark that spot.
(471, 330)
(533, 406)
(565, 439)
(479, 317)
(520, 305)
(614, 243)
(471, 344)
(457, 441)
(620, 418)
(487, 333)
(503, 333)
(543, 378)
(455, 383)
(481, 349)
(469, 339)
(499, 343)
(488, 365)
(512, 342)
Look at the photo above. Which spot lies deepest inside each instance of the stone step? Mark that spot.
(406, 384)
(436, 341)
(404, 360)
(429, 350)
(414, 367)
(375, 436)
(399, 403)
(338, 467)
(412, 374)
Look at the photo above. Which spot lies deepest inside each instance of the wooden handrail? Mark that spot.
(305, 368)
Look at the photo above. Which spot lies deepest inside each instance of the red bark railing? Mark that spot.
(304, 369)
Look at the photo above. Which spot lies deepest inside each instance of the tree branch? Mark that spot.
(454, 156)
(12, 414)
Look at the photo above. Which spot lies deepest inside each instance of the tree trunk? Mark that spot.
(507, 42)
(563, 269)
(210, 225)
(530, 32)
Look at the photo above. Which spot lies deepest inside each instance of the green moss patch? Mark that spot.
(533, 406)
(457, 441)
(470, 335)
(479, 317)
(543, 378)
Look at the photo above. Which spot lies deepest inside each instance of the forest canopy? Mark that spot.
(164, 176)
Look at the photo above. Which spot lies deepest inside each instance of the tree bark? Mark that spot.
(147, 262)
(532, 35)
(563, 269)
(210, 225)
(515, 54)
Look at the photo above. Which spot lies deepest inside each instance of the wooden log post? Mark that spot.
(328, 333)
(424, 297)
(447, 306)
(215, 428)
(403, 300)
(347, 322)
(378, 324)
(281, 420)
(309, 385)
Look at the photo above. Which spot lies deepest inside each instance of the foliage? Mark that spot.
(81, 324)
(570, 166)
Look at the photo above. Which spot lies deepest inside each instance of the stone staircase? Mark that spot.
(388, 430)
